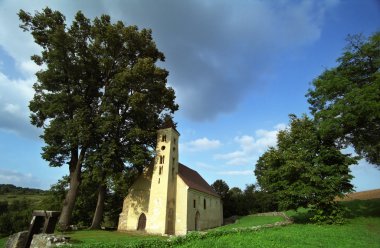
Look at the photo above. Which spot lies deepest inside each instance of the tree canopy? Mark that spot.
(345, 100)
(304, 169)
(99, 93)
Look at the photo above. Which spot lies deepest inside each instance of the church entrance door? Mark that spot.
(197, 216)
(142, 222)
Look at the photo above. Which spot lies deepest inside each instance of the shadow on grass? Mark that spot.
(362, 208)
(302, 217)
(355, 208)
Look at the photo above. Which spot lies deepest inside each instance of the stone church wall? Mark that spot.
(209, 208)
(136, 203)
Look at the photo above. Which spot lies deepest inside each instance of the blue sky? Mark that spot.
(238, 68)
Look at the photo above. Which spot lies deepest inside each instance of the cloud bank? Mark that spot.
(217, 51)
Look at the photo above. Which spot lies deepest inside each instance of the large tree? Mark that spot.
(304, 169)
(345, 100)
(99, 91)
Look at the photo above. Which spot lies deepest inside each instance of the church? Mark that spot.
(169, 197)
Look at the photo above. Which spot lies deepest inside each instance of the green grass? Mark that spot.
(361, 232)
(93, 238)
(251, 220)
(3, 241)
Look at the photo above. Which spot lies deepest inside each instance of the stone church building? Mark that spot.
(169, 197)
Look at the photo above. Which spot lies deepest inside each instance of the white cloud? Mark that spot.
(236, 172)
(19, 179)
(205, 166)
(15, 95)
(251, 147)
(201, 144)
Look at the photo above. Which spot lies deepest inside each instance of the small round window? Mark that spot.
(162, 147)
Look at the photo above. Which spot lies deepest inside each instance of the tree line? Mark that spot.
(12, 189)
(237, 202)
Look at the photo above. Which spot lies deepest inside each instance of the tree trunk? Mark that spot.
(98, 216)
(75, 177)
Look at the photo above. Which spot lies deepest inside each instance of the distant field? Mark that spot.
(363, 195)
(35, 200)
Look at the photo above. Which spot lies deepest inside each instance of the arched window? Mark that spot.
(142, 222)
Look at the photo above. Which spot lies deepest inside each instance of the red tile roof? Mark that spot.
(194, 180)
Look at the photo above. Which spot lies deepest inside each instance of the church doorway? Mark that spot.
(197, 216)
(142, 222)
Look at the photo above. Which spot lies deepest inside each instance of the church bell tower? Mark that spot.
(162, 200)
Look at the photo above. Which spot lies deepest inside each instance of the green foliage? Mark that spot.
(87, 197)
(16, 207)
(363, 208)
(100, 96)
(16, 217)
(221, 187)
(331, 213)
(345, 100)
(305, 170)
(238, 202)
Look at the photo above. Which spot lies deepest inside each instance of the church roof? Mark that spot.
(194, 180)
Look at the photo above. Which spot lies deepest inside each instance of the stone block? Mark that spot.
(17, 240)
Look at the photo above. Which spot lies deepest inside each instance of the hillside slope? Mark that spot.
(363, 195)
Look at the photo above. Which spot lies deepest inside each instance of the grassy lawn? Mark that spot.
(361, 230)
(3, 241)
(251, 220)
(123, 239)
(94, 238)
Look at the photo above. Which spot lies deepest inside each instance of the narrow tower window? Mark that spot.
(193, 203)
(163, 138)
(162, 159)
(159, 170)
(204, 203)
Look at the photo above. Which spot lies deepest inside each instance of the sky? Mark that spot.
(239, 68)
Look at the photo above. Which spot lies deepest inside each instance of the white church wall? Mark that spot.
(181, 208)
(209, 208)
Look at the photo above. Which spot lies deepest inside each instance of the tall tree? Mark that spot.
(221, 187)
(345, 100)
(100, 88)
(305, 169)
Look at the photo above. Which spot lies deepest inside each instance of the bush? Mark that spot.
(329, 213)
(16, 219)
